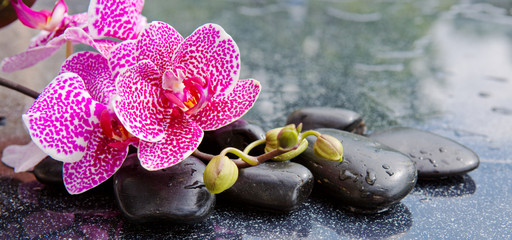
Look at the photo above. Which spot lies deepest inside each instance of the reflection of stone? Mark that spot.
(454, 186)
(392, 223)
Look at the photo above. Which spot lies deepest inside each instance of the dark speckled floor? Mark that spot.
(441, 66)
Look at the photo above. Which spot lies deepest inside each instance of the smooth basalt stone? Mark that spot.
(278, 186)
(238, 134)
(49, 172)
(176, 194)
(371, 176)
(323, 117)
(435, 156)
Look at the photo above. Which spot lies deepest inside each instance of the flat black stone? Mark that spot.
(435, 156)
(324, 117)
(371, 176)
(49, 172)
(238, 134)
(278, 186)
(176, 194)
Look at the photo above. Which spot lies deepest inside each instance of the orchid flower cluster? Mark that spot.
(151, 89)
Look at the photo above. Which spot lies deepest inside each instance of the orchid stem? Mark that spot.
(17, 87)
(69, 48)
(254, 144)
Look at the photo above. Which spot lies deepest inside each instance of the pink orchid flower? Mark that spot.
(72, 122)
(118, 19)
(170, 89)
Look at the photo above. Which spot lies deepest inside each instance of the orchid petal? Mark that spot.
(119, 19)
(122, 57)
(181, 140)
(157, 43)
(34, 55)
(94, 70)
(140, 104)
(29, 17)
(62, 118)
(222, 111)
(98, 164)
(22, 157)
(77, 20)
(209, 52)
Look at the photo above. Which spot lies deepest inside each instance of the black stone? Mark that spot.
(435, 156)
(371, 176)
(323, 117)
(49, 172)
(238, 134)
(176, 194)
(2, 121)
(277, 186)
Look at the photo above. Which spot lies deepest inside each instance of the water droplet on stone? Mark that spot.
(442, 149)
(345, 174)
(459, 159)
(390, 173)
(412, 155)
(370, 177)
(423, 152)
(385, 166)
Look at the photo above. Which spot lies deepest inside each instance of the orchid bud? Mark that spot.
(271, 139)
(220, 174)
(292, 154)
(288, 137)
(328, 147)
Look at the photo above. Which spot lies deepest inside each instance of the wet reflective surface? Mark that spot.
(441, 66)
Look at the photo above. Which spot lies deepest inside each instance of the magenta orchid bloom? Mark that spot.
(72, 122)
(170, 89)
(118, 19)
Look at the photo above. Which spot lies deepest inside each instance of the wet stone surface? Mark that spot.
(238, 134)
(276, 186)
(435, 155)
(324, 117)
(176, 194)
(371, 176)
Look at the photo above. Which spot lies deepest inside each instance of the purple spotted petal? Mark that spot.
(63, 117)
(34, 55)
(97, 165)
(122, 56)
(222, 111)
(119, 19)
(181, 139)
(157, 43)
(209, 52)
(94, 70)
(22, 157)
(140, 103)
(77, 20)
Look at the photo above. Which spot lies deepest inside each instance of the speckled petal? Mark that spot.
(76, 20)
(157, 43)
(97, 165)
(34, 55)
(22, 157)
(209, 52)
(62, 118)
(118, 19)
(140, 104)
(121, 57)
(222, 111)
(181, 139)
(94, 70)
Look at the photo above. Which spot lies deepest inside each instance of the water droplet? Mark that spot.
(412, 155)
(431, 160)
(390, 173)
(345, 174)
(385, 166)
(442, 149)
(370, 177)
(459, 159)
(365, 194)
(420, 158)
(423, 152)
(377, 150)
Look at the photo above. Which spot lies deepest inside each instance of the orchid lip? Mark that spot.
(113, 129)
(44, 19)
(188, 94)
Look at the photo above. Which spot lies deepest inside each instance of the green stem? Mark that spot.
(245, 157)
(17, 87)
(308, 133)
(254, 144)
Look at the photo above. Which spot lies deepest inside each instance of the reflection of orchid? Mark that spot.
(71, 122)
(171, 89)
(118, 19)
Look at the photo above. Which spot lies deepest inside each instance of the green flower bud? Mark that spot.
(291, 154)
(271, 139)
(288, 136)
(220, 174)
(328, 147)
